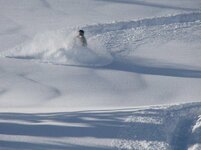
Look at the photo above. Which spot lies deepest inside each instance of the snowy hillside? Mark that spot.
(126, 90)
(150, 128)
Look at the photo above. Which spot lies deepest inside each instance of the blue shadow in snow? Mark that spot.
(102, 125)
(153, 67)
(142, 125)
(99, 125)
(180, 139)
(38, 146)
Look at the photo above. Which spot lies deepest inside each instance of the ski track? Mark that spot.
(134, 34)
(180, 18)
(54, 91)
(166, 129)
(137, 33)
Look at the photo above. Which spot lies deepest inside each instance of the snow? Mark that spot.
(136, 86)
(152, 127)
(57, 48)
(197, 125)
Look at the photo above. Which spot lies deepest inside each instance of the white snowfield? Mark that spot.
(137, 86)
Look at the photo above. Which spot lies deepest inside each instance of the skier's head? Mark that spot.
(81, 32)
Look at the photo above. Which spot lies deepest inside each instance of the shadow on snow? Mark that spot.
(154, 67)
(100, 125)
(151, 124)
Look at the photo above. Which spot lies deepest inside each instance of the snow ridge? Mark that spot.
(180, 18)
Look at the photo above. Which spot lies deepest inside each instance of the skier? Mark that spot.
(80, 39)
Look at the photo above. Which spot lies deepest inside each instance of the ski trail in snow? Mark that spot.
(186, 133)
(166, 129)
(54, 91)
(167, 20)
(108, 43)
(195, 141)
(126, 37)
(180, 138)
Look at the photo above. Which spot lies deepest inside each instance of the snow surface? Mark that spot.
(148, 128)
(126, 90)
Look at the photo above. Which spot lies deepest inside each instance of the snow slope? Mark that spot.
(149, 128)
(159, 56)
(140, 53)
